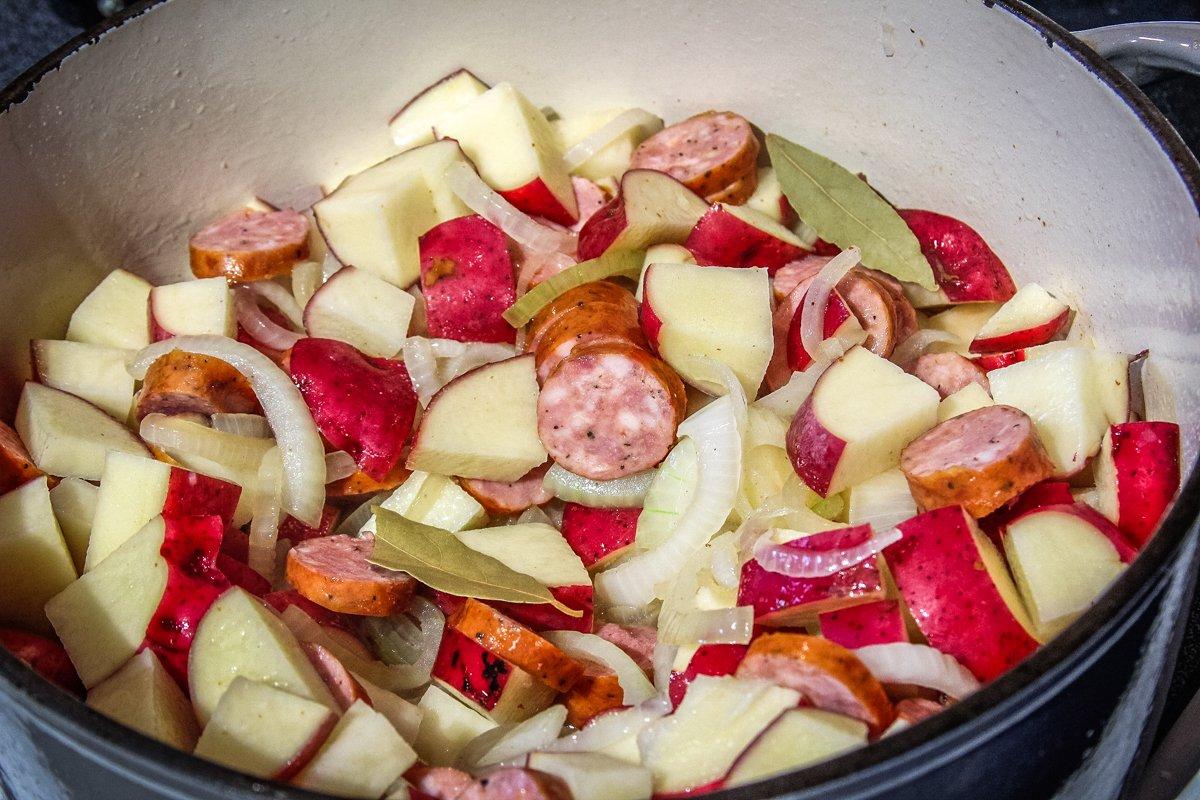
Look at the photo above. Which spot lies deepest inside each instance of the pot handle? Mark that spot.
(1142, 49)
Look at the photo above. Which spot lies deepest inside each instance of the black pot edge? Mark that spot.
(988, 712)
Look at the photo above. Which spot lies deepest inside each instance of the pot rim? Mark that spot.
(987, 713)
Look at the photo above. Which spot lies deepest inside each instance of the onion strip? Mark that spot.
(629, 120)
(812, 312)
(252, 425)
(306, 279)
(281, 298)
(264, 527)
(590, 647)
(611, 727)
(182, 436)
(797, 562)
(626, 492)
(608, 265)
(916, 345)
(295, 432)
(486, 202)
(258, 325)
(918, 664)
(338, 465)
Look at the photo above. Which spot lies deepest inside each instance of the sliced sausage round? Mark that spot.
(902, 309)
(738, 192)
(580, 326)
(826, 674)
(706, 153)
(334, 573)
(250, 245)
(788, 277)
(610, 410)
(344, 687)
(979, 460)
(949, 372)
(517, 783)
(872, 305)
(183, 383)
(637, 641)
(500, 498)
(439, 783)
(579, 297)
(589, 197)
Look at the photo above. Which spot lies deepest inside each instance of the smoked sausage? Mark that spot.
(250, 245)
(333, 572)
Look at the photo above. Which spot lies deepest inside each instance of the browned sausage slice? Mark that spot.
(979, 460)
(636, 640)
(949, 372)
(610, 410)
(583, 325)
(517, 783)
(503, 636)
(872, 305)
(333, 572)
(439, 783)
(181, 383)
(706, 153)
(501, 498)
(737, 192)
(250, 245)
(902, 309)
(801, 271)
(579, 297)
(346, 690)
(828, 675)
(16, 465)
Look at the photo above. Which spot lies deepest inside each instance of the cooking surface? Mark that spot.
(31, 28)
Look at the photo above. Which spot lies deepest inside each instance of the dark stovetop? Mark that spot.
(29, 29)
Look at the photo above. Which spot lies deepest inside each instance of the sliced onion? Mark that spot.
(254, 425)
(295, 432)
(787, 399)
(626, 492)
(669, 495)
(329, 265)
(719, 381)
(475, 355)
(682, 621)
(258, 325)
(918, 664)
(535, 514)
(504, 744)
(589, 647)
(281, 298)
(607, 133)
(483, 200)
(812, 312)
(608, 265)
(422, 367)
(611, 727)
(353, 523)
(411, 638)
(726, 561)
(338, 465)
(663, 664)
(719, 443)
(264, 527)
(306, 279)
(393, 677)
(534, 263)
(182, 436)
(916, 345)
(799, 563)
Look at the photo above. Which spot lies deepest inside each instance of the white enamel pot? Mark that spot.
(113, 149)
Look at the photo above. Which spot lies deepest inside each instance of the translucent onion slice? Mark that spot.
(611, 727)
(918, 664)
(535, 514)
(683, 621)
(726, 560)
(669, 495)
(338, 465)
(307, 277)
(719, 381)
(258, 325)
(787, 399)
(719, 443)
(611, 264)
(474, 355)
(421, 364)
(264, 526)
(484, 201)
(410, 638)
(393, 677)
(176, 436)
(919, 343)
(254, 425)
(663, 663)
(504, 744)
(607, 133)
(295, 432)
(353, 522)
(281, 298)
(627, 492)
(589, 647)
(812, 313)
(797, 563)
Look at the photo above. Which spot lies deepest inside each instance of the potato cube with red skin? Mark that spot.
(365, 406)
(781, 600)
(966, 269)
(467, 281)
(598, 534)
(44, 656)
(960, 593)
(739, 236)
(487, 682)
(709, 659)
(877, 622)
(1137, 475)
(1046, 493)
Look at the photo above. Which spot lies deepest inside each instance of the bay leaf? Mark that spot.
(843, 209)
(439, 560)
